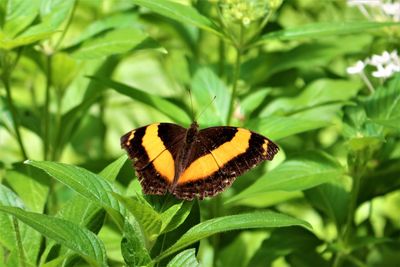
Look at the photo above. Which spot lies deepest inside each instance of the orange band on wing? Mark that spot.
(157, 153)
(210, 163)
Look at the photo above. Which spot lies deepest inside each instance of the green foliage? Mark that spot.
(274, 67)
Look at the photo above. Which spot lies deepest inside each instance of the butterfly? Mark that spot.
(192, 163)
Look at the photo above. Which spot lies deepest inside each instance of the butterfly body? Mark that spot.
(192, 163)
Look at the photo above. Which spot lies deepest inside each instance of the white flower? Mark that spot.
(382, 72)
(391, 8)
(378, 60)
(357, 68)
(364, 2)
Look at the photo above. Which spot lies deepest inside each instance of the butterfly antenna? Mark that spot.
(205, 108)
(191, 102)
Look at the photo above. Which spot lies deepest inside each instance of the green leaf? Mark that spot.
(115, 42)
(159, 103)
(391, 123)
(186, 258)
(78, 239)
(32, 35)
(88, 184)
(317, 93)
(182, 13)
(175, 215)
(300, 173)
(148, 219)
(287, 242)
(332, 199)
(278, 127)
(72, 119)
(19, 15)
(89, 215)
(254, 100)
(55, 12)
(133, 246)
(206, 85)
(31, 189)
(31, 239)
(110, 172)
(323, 29)
(124, 20)
(233, 222)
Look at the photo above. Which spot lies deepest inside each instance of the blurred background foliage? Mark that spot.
(76, 75)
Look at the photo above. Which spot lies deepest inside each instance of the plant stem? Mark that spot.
(46, 111)
(357, 171)
(6, 75)
(236, 75)
(21, 253)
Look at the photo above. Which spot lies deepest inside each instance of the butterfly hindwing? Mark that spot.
(224, 154)
(153, 150)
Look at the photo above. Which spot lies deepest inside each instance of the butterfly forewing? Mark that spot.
(226, 152)
(153, 149)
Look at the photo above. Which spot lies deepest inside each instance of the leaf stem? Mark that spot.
(5, 77)
(46, 111)
(236, 75)
(20, 247)
(357, 163)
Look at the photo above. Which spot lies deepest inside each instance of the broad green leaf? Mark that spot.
(73, 118)
(89, 215)
(30, 185)
(64, 70)
(323, 29)
(332, 199)
(206, 86)
(88, 184)
(175, 215)
(239, 251)
(384, 104)
(31, 239)
(115, 42)
(319, 92)
(55, 12)
(32, 35)
(207, 228)
(300, 173)
(124, 20)
(391, 123)
(133, 246)
(287, 242)
(19, 15)
(182, 13)
(186, 258)
(7, 232)
(161, 104)
(254, 100)
(145, 215)
(278, 127)
(268, 199)
(78, 239)
(110, 172)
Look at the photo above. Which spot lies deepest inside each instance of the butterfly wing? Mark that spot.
(222, 154)
(153, 151)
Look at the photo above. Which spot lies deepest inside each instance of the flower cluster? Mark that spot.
(244, 12)
(386, 65)
(378, 10)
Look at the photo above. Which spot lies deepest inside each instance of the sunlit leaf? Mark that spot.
(323, 29)
(232, 222)
(78, 239)
(303, 172)
(184, 259)
(179, 12)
